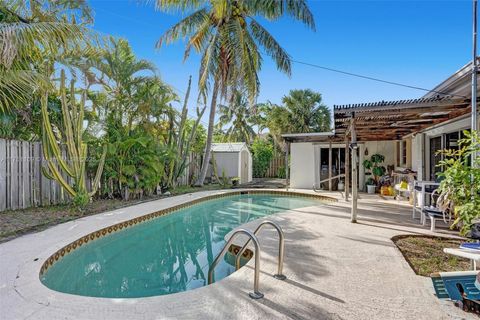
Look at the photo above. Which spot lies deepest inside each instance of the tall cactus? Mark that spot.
(181, 143)
(71, 135)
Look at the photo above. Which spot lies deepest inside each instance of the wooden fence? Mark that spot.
(22, 183)
(276, 168)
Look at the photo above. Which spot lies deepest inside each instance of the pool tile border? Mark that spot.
(55, 257)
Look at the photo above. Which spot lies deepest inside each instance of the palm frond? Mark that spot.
(271, 46)
(274, 9)
(17, 40)
(17, 87)
(183, 28)
(177, 5)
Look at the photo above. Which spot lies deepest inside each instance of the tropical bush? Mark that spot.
(459, 190)
(262, 154)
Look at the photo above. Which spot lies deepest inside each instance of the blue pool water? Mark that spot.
(165, 255)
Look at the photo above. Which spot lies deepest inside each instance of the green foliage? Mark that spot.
(262, 154)
(282, 174)
(459, 190)
(229, 39)
(378, 171)
(134, 164)
(36, 35)
(73, 163)
(237, 116)
(235, 181)
(367, 164)
(80, 200)
(182, 138)
(302, 111)
(373, 166)
(377, 158)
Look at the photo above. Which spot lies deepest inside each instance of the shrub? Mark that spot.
(262, 155)
(459, 190)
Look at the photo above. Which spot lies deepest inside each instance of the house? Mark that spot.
(232, 160)
(408, 133)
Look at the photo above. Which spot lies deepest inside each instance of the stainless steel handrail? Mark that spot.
(325, 180)
(281, 248)
(256, 294)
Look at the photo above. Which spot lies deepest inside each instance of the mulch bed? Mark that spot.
(14, 223)
(425, 254)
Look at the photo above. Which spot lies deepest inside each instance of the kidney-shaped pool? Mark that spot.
(166, 254)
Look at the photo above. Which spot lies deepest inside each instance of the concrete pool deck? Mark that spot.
(335, 270)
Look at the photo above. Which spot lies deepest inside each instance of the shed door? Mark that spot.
(244, 166)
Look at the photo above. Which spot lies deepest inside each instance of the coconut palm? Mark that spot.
(237, 115)
(32, 33)
(230, 41)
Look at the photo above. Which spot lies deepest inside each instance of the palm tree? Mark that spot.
(34, 34)
(307, 113)
(238, 116)
(302, 111)
(122, 75)
(229, 39)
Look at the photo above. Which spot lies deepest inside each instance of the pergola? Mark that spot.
(392, 120)
(383, 120)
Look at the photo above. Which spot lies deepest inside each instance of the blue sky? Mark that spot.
(414, 42)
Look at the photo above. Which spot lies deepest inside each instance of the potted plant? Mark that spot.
(235, 181)
(371, 186)
(374, 168)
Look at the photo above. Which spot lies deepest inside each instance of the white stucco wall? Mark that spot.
(302, 168)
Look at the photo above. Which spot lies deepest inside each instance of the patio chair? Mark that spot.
(435, 213)
(423, 188)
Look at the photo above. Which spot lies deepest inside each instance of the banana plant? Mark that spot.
(73, 163)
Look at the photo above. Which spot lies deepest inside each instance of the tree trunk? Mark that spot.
(208, 147)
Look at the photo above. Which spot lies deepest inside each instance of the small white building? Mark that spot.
(233, 160)
(408, 133)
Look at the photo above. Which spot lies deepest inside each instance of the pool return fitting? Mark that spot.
(256, 294)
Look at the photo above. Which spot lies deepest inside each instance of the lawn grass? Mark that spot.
(14, 223)
(425, 254)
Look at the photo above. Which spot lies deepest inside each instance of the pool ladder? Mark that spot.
(252, 236)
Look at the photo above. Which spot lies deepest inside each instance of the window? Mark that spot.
(445, 141)
(435, 158)
(404, 152)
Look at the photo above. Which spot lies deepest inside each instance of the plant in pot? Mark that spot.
(235, 181)
(371, 186)
(375, 169)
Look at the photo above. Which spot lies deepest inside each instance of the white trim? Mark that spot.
(310, 134)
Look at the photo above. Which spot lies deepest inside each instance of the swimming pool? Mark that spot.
(164, 255)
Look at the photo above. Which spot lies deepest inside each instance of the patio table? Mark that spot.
(473, 255)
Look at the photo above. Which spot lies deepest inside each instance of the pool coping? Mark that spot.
(28, 284)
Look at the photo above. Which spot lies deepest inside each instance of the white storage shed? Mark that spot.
(234, 159)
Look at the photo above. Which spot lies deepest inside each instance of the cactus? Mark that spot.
(180, 143)
(71, 135)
